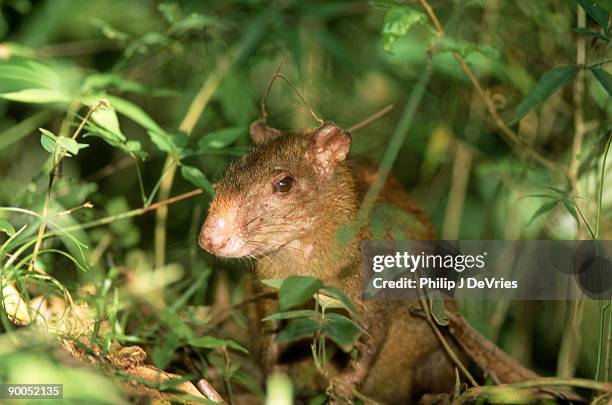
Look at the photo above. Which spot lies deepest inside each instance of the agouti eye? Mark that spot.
(283, 185)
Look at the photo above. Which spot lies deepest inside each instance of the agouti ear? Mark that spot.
(331, 146)
(261, 133)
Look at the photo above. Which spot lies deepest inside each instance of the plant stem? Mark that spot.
(570, 342)
(499, 122)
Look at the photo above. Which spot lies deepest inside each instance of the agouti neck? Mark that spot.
(324, 252)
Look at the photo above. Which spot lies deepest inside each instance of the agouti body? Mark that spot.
(283, 204)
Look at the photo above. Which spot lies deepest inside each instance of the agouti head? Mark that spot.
(283, 190)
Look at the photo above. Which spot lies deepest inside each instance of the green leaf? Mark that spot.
(36, 96)
(298, 329)
(297, 290)
(209, 342)
(6, 227)
(305, 313)
(546, 207)
(135, 113)
(570, 207)
(548, 84)
(47, 140)
(195, 176)
(221, 138)
(70, 145)
(397, 22)
(596, 12)
(604, 78)
(106, 117)
(169, 142)
(342, 330)
(343, 299)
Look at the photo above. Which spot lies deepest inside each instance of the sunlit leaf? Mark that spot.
(134, 112)
(341, 297)
(546, 86)
(70, 145)
(297, 290)
(6, 227)
(47, 140)
(106, 117)
(397, 22)
(36, 96)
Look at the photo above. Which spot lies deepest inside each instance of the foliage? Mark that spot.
(96, 100)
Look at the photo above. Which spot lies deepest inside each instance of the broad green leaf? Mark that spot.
(36, 96)
(161, 140)
(546, 207)
(209, 342)
(397, 22)
(220, 139)
(6, 227)
(169, 142)
(604, 78)
(134, 112)
(298, 329)
(340, 329)
(47, 140)
(70, 145)
(591, 33)
(104, 81)
(297, 290)
(195, 176)
(546, 86)
(341, 297)
(106, 117)
(596, 12)
(305, 313)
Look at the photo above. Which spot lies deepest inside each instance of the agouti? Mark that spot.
(283, 205)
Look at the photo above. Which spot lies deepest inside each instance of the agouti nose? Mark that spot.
(214, 237)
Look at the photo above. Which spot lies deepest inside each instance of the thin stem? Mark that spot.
(601, 186)
(372, 118)
(510, 134)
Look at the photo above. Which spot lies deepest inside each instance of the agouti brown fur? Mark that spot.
(283, 204)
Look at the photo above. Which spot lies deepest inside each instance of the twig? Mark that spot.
(510, 134)
(443, 341)
(131, 213)
(372, 118)
(209, 391)
(264, 99)
(297, 92)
